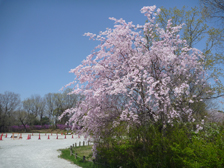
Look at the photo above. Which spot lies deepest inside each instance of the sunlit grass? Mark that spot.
(81, 151)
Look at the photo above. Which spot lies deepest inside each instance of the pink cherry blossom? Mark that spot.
(133, 77)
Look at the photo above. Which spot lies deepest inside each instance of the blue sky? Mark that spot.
(41, 40)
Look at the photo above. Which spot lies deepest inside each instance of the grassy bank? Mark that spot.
(81, 151)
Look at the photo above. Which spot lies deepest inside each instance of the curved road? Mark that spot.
(36, 153)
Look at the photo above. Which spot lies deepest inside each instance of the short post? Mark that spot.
(83, 143)
(70, 150)
(75, 155)
(75, 144)
(79, 143)
(84, 158)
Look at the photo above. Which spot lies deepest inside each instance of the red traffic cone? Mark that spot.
(72, 136)
(5, 135)
(39, 137)
(45, 134)
(48, 137)
(20, 136)
(0, 138)
(65, 136)
(28, 137)
(57, 137)
(51, 134)
(61, 133)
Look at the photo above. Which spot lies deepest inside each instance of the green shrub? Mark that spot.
(176, 146)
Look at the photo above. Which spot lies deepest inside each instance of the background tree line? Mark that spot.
(35, 110)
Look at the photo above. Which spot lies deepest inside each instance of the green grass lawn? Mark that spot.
(81, 151)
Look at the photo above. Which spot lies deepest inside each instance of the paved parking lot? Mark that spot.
(34, 153)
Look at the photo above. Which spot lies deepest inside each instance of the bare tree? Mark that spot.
(70, 100)
(9, 102)
(213, 9)
(41, 112)
(49, 104)
(58, 103)
(28, 106)
(34, 106)
(22, 117)
(63, 101)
